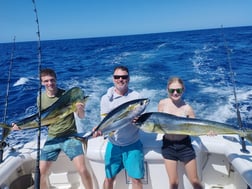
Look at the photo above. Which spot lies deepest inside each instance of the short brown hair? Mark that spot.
(47, 71)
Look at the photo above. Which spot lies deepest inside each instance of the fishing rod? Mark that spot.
(37, 170)
(239, 120)
(2, 142)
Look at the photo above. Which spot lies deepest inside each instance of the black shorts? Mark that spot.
(178, 150)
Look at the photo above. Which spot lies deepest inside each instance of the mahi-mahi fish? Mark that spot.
(160, 122)
(118, 118)
(64, 106)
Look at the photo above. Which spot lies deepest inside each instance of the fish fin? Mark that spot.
(111, 133)
(83, 137)
(104, 115)
(163, 130)
(85, 145)
(108, 135)
(84, 140)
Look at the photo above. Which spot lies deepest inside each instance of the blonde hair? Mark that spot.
(175, 79)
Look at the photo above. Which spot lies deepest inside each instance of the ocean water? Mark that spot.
(201, 58)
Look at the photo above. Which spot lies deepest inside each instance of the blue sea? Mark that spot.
(202, 58)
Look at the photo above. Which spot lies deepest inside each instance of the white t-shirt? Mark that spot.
(126, 135)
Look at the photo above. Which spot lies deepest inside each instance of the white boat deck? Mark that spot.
(221, 164)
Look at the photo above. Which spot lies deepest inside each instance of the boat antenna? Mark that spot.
(239, 120)
(37, 170)
(2, 142)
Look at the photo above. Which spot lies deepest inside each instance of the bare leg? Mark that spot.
(44, 167)
(191, 170)
(79, 162)
(171, 169)
(136, 183)
(108, 183)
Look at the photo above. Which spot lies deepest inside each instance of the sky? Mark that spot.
(68, 19)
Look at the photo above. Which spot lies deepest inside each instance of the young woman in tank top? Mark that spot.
(178, 147)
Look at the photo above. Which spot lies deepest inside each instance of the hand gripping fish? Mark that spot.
(118, 118)
(64, 106)
(159, 122)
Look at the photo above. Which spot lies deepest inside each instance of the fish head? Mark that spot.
(82, 100)
(77, 95)
(67, 105)
(122, 115)
(148, 124)
(143, 118)
(71, 108)
(138, 106)
(129, 110)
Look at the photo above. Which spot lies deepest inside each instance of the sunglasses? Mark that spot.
(121, 76)
(179, 90)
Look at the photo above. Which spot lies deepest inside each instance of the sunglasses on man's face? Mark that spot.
(121, 76)
(179, 90)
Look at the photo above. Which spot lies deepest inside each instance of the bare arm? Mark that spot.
(190, 112)
(80, 110)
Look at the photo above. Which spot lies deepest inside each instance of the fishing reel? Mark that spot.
(3, 144)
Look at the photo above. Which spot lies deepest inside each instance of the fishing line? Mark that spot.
(8, 82)
(239, 120)
(37, 171)
(4, 131)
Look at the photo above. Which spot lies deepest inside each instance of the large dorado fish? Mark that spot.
(159, 122)
(118, 118)
(64, 106)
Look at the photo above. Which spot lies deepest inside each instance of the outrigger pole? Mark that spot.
(2, 142)
(239, 120)
(37, 171)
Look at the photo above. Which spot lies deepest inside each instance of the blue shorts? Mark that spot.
(130, 157)
(52, 147)
(178, 150)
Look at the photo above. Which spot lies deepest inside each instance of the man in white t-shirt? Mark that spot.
(124, 143)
